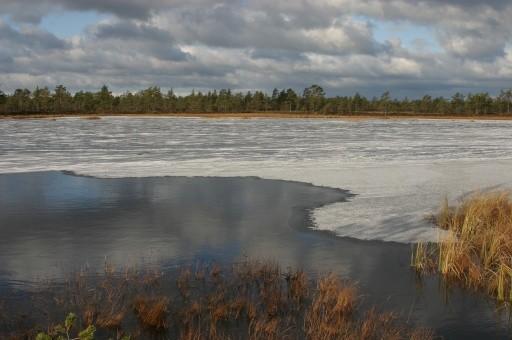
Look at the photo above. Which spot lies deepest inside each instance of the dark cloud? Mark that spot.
(498, 4)
(32, 11)
(245, 27)
(277, 54)
(29, 39)
(129, 30)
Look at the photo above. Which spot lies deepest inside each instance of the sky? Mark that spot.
(407, 47)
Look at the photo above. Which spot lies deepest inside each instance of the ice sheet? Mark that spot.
(399, 170)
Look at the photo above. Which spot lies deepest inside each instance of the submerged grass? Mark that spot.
(478, 252)
(253, 300)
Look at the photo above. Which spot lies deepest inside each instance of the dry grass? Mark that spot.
(360, 116)
(331, 311)
(297, 286)
(333, 315)
(254, 300)
(479, 253)
(152, 312)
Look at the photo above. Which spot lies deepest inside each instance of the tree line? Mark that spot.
(312, 100)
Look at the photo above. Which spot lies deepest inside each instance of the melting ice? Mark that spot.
(400, 171)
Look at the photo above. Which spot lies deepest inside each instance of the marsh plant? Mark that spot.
(247, 300)
(64, 331)
(477, 254)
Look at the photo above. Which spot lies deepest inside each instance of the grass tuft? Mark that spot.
(478, 254)
(152, 312)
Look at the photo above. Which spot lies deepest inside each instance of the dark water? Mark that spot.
(52, 223)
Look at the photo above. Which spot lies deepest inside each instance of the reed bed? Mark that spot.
(247, 300)
(478, 254)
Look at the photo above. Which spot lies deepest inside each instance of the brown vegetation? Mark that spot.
(254, 300)
(360, 116)
(152, 312)
(478, 255)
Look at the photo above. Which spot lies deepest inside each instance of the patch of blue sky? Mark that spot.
(5, 19)
(412, 36)
(65, 24)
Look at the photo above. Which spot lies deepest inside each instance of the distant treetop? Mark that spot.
(312, 100)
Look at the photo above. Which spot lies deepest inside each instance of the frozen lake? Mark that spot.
(399, 170)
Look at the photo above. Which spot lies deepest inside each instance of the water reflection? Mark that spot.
(51, 223)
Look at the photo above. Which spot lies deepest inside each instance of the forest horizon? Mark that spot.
(313, 99)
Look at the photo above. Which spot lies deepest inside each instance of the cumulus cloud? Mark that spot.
(261, 44)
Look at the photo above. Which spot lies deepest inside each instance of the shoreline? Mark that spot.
(264, 115)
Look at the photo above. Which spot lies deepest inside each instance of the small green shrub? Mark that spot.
(64, 331)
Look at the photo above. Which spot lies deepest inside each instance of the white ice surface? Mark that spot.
(399, 170)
